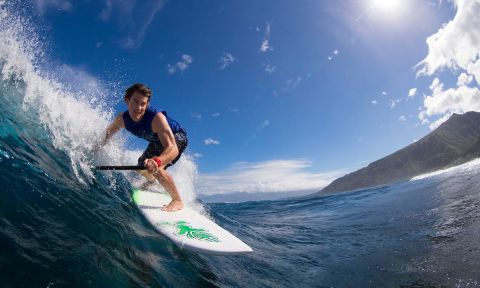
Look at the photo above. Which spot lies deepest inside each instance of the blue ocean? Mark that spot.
(63, 224)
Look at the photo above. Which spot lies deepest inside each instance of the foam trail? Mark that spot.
(471, 167)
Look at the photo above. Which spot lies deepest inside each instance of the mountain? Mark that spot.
(454, 142)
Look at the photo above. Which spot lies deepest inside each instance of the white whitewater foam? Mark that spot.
(471, 167)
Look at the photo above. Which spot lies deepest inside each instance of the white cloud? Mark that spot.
(394, 102)
(133, 19)
(106, 12)
(268, 28)
(197, 116)
(291, 84)
(474, 69)
(374, 102)
(226, 60)
(412, 92)
(267, 176)
(260, 127)
(270, 68)
(181, 65)
(197, 155)
(402, 118)
(455, 46)
(216, 114)
(384, 93)
(444, 102)
(265, 124)
(59, 5)
(464, 79)
(438, 122)
(211, 141)
(265, 47)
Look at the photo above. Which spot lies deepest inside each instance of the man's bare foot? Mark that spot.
(173, 206)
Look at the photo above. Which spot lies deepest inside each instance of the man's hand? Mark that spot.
(113, 128)
(151, 166)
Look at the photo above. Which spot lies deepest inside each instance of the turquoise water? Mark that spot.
(64, 225)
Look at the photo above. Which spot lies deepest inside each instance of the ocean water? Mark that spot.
(64, 225)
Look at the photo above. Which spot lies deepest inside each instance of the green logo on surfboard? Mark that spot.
(184, 229)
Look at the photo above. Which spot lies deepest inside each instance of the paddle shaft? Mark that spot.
(137, 167)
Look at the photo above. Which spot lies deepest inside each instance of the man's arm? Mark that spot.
(166, 137)
(113, 128)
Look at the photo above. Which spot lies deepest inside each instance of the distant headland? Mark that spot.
(454, 142)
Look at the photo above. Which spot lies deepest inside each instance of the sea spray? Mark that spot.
(73, 107)
(72, 124)
(186, 176)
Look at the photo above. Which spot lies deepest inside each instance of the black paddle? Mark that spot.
(138, 167)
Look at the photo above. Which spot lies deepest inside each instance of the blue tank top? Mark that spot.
(143, 128)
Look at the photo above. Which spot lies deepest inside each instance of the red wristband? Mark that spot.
(158, 161)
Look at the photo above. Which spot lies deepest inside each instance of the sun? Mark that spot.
(386, 5)
(391, 7)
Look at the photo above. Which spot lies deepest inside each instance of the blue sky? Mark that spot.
(306, 90)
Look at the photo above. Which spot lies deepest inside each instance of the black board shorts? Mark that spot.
(154, 149)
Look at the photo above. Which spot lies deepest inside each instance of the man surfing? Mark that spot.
(167, 139)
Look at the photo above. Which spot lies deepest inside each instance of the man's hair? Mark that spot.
(139, 88)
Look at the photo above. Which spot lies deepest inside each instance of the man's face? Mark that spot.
(137, 104)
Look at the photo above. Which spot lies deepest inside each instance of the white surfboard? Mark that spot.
(187, 228)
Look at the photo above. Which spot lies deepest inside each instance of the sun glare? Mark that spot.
(386, 5)
(390, 7)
